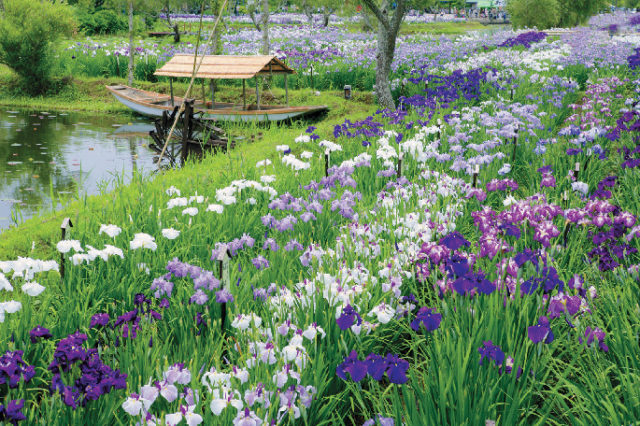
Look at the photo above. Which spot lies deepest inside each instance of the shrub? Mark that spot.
(27, 48)
(534, 13)
(102, 22)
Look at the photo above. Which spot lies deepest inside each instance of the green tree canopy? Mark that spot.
(534, 13)
(549, 13)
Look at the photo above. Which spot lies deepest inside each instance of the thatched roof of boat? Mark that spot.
(224, 66)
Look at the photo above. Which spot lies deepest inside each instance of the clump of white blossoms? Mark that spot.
(142, 240)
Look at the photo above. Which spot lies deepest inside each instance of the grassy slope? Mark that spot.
(44, 230)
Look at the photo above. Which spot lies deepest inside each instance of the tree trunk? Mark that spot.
(131, 49)
(265, 27)
(326, 14)
(388, 27)
(167, 13)
(306, 9)
(384, 56)
(176, 34)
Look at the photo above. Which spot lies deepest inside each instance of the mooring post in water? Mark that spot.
(66, 223)
(244, 94)
(171, 89)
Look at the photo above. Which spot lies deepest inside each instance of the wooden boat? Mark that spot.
(153, 104)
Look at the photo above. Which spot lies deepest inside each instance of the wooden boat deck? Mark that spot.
(153, 104)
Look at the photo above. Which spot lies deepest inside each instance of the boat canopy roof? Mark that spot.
(224, 66)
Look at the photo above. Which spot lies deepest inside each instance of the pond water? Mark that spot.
(45, 154)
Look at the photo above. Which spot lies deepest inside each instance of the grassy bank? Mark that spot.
(37, 236)
(89, 94)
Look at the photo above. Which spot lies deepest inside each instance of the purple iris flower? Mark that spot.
(13, 411)
(397, 369)
(349, 315)
(224, 296)
(376, 366)
(541, 331)
(491, 351)
(293, 245)
(592, 334)
(39, 332)
(357, 369)
(199, 297)
(427, 317)
(260, 262)
(454, 241)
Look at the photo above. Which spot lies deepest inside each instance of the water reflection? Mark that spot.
(44, 154)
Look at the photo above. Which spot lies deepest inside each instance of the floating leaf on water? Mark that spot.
(91, 149)
(16, 144)
(116, 125)
(30, 159)
(63, 113)
(38, 162)
(18, 130)
(12, 116)
(44, 113)
(28, 189)
(14, 163)
(13, 112)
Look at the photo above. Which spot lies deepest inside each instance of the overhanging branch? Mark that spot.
(373, 7)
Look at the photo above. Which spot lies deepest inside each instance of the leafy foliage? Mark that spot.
(534, 13)
(574, 12)
(27, 48)
(101, 22)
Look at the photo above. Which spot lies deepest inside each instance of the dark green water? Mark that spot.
(64, 155)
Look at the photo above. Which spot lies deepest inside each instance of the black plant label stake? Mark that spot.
(66, 223)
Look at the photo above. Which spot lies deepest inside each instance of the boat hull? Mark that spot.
(226, 112)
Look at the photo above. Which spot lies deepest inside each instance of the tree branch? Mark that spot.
(378, 13)
(398, 15)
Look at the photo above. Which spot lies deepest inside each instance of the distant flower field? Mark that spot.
(470, 258)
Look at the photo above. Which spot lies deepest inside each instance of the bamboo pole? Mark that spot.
(286, 90)
(171, 90)
(257, 93)
(196, 67)
(244, 94)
